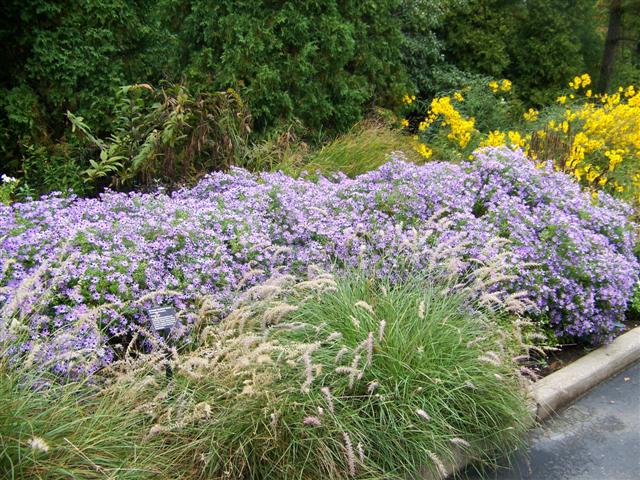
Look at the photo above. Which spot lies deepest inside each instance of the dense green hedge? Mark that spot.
(322, 62)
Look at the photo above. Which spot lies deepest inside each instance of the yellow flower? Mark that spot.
(460, 128)
(422, 126)
(493, 85)
(405, 123)
(506, 85)
(423, 150)
(586, 80)
(408, 99)
(615, 158)
(515, 139)
(561, 100)
(531, 115)
(576, 83)
(495, 138)
(458, 96)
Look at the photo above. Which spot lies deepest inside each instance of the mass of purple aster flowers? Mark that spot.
(78, 275)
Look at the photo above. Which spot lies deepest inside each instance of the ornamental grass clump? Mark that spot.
(365, 378)
(74, 430)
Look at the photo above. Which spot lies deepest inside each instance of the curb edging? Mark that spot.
(567, 384)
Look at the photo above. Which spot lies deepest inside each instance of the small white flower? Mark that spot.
(8, 179)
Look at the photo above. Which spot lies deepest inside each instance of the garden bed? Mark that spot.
(482, 261)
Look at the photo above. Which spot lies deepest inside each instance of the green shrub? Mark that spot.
(167, 135)
(323, 63)
(54, 168)
(535, 43)
(422, 48)
(67, 56)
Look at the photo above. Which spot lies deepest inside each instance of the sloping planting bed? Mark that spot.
(334, 328)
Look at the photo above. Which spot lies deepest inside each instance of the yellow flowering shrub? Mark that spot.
(460, 129)
(602, 133)
(595, 138)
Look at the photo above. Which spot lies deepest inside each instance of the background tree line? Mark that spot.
(318, 65)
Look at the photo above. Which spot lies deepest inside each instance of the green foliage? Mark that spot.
(325, 64)
(627, 66)
(56, 168)
(322, 63)
(70, 56)
(68, 431)
(476, 35)
(501, 110)
(168, 135)
(320, 66)
(558, 46)
(537, 44)
(422, 47)
(365, 147)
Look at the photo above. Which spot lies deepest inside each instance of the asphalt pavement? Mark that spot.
(596, 438)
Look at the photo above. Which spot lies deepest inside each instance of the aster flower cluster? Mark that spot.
(78, 275)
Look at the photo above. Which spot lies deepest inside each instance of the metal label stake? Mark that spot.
(163, 319)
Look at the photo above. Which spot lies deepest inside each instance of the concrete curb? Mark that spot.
(569, 383)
